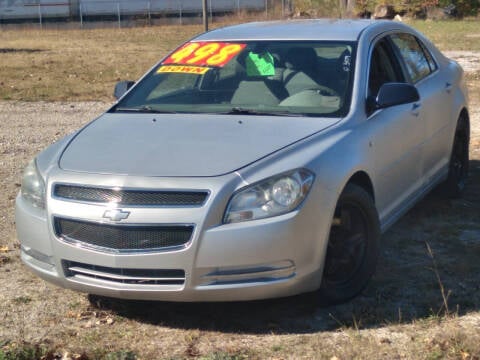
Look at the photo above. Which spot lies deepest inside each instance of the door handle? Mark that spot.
(416, 109)
(448, 87)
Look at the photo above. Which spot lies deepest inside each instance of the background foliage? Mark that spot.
(414, 8)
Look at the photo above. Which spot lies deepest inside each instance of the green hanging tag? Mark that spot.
(260, 64)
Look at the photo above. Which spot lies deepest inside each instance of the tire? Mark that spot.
(456, 181)
(353, 247)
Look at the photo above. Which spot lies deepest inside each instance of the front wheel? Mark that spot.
(353, 247)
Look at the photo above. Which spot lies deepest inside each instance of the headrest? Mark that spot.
(301, 58)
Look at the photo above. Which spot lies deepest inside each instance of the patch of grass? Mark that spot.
(22, 300)
(78, 65)
(121, 355)
(23, 352)
(277, 348)
(450, 34)
(74, 305)
(37, 351)
(92, 337)
(225, 356)
(450, 345)
(473, 76)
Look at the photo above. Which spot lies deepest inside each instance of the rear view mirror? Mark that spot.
(121, 88)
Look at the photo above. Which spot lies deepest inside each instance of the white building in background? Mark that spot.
(34, 9)
(31, 9)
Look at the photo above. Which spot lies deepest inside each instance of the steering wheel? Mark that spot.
(324, 90)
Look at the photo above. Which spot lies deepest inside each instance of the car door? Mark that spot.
(435, 92)
(397, 137)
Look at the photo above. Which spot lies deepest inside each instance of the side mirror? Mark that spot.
(121, 88)
(391, 94)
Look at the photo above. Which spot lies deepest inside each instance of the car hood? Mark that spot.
(182, 144)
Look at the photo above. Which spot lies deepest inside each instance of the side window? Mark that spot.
(416, 62)
(431, 61)
(383, 68)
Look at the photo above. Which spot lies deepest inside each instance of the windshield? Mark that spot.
(248, 77)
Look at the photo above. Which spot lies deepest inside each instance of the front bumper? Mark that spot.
(259, 259)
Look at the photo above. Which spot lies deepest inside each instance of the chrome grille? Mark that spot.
(124, 275)
(122, 238)
(127, 197)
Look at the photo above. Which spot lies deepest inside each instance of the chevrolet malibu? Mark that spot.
(254, 161)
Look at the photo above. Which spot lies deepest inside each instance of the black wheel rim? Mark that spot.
(347, 244)
(458, 163)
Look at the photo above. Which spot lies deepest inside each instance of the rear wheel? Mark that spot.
(353, 247)
(458, 167)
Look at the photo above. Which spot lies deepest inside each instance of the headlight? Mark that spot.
(274, 196)
(33, 186)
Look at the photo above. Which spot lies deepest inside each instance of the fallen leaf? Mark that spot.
(90, 324)
(4, 249)
(71, 315)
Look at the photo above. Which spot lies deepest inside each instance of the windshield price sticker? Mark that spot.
(183, 69)
(205, 54)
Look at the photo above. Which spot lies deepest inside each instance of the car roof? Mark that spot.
(308, 29)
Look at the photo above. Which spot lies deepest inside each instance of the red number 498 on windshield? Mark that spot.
(205, 54)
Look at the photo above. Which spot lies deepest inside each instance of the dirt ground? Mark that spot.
(400, 315)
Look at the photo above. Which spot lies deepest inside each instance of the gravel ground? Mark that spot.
(25, 129)
(469, 60)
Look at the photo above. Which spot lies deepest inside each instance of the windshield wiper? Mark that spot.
(244, 111)
(143, 109)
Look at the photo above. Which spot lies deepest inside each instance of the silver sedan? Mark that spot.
(254, 161)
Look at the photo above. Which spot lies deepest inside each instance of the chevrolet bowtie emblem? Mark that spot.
(116, 214)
